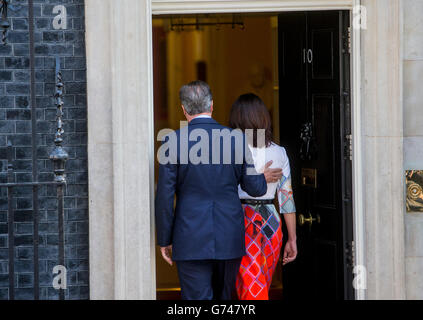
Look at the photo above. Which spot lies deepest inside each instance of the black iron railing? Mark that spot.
(59, 157)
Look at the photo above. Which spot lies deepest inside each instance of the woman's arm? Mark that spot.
(290, 221)
(290, 252)
(287, 209)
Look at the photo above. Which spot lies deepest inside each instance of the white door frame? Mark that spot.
(161, 7)
(121, 140)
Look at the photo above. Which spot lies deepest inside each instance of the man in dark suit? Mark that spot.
(205, 232)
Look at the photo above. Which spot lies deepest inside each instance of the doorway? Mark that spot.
(298, 63)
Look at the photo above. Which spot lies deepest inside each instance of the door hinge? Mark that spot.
(348, 152)
(350, 254)
(347, 41)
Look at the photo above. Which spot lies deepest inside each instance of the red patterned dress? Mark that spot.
(263, 228)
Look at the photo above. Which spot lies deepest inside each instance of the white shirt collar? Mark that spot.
(204, 116)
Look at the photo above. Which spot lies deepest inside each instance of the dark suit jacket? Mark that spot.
(208, 221)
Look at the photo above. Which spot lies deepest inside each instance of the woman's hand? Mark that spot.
(290, 252)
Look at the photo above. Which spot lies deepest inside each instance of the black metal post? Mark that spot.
(11, 222)
(4, 23)
(34, 149)
(60, 211)
(59, 157)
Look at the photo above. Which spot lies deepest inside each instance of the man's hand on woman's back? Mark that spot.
(272, 175)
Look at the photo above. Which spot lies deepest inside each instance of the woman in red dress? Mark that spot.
(263, 226)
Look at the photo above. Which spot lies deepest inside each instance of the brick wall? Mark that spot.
(16, 126)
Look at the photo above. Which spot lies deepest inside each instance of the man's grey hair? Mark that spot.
(196, 97)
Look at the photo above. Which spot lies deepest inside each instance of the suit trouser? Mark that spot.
(208, 279)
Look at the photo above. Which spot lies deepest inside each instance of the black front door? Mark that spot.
(315, 129)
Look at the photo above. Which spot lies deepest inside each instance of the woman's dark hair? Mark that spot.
(250, 112)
